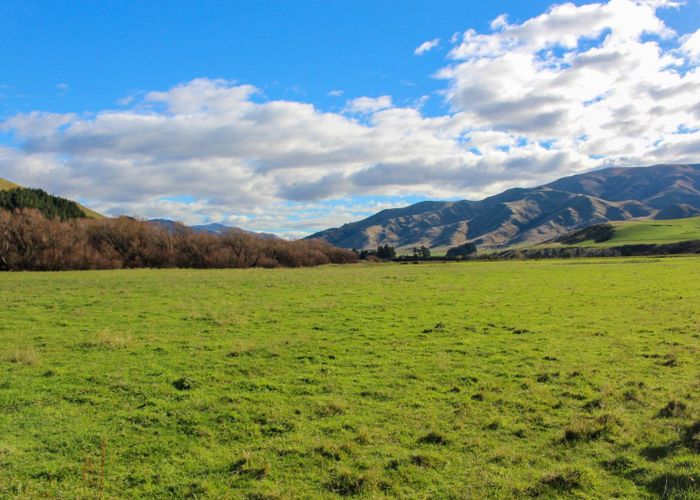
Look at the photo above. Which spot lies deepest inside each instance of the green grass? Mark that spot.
(472, 380)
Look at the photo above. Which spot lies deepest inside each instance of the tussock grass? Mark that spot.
(331, 408)
(109, 339)
(562, 481)
(249, 466)
(674, 409)
(23, 356)
(587, 429)
(346, 482)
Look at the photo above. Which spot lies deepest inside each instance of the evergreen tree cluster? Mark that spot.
(51, 207)
(464, 250)
(421, 252)
(384, 252)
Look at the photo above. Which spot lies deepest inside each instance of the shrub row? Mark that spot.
(30, 241)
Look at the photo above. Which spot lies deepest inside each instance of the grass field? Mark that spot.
(472, 380)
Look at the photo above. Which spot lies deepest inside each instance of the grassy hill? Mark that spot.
(549, 379)
(637, 232)
(642, 232)
(91, 213)
(654, 231)
(7, 185)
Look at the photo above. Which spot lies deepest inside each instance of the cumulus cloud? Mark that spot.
(592, 78)
(691, 46)
(426, 46)
(575, 88)
(369, 104)
(210, 139)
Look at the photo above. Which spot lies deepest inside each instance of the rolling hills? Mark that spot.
(532, 215)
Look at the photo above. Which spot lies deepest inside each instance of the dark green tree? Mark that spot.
(50, 206)
(463, 250)
(386, 252)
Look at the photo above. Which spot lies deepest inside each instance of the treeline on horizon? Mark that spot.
(29, 241)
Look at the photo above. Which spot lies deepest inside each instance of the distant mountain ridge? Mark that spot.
(213, 228)
(532, 215)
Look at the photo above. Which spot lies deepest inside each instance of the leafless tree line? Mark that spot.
(29, 241)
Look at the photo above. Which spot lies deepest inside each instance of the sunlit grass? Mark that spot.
(477, 379)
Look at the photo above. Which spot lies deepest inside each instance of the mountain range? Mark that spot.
(531, 215)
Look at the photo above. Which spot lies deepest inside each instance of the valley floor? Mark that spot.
(467, 380)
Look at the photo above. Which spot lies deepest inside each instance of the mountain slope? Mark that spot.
(6, 185)
(532, 215)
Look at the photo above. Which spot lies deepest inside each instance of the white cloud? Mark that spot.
(335, 93)
(499, 23)
(592, 71)
(369, 104)
(125, 101)
(426, 46)
(575, 88)
(210, 140)
(691, 46)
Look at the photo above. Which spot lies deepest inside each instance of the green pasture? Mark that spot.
(575, 378)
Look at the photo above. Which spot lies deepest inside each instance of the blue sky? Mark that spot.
(72, 70)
